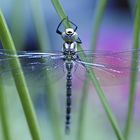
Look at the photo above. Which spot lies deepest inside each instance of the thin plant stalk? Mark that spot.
(60, 12)
(20, 83)
(135, 58)
(4, 113)
(82, 110)
(99, 12)
(44, 44)
(40, 25)
(94, 81)
(105, 105)
(17, 21)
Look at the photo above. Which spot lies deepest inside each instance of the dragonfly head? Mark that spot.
(69, 35)
(69, 31)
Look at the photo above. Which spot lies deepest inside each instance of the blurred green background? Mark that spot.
(32, 25)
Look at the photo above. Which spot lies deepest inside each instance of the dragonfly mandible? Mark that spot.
(115, 66)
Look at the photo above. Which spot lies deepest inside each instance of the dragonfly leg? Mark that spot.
(57, 30)
(79, 40)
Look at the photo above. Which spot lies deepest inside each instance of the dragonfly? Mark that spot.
(108, 66)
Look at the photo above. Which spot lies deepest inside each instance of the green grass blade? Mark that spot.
(44, 44)
(3, 113)
(99, 12)
(20, 83)
(133, 79)
(95, 82)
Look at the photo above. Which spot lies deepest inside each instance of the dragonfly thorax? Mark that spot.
(69, 35)
(69, 51)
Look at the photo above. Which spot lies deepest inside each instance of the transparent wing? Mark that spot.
(34, 64)
(109, 67)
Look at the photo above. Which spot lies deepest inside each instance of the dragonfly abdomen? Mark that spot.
(68, 97)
